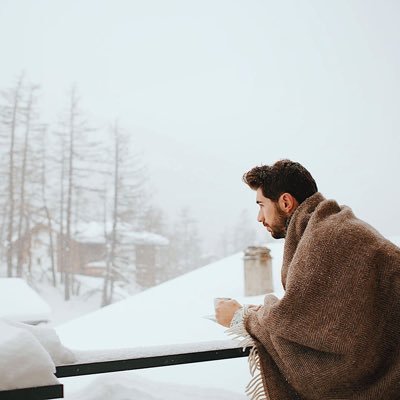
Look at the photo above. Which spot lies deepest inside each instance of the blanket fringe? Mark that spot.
(255, 389)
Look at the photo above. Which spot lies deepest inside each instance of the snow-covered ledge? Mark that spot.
(100, 361)
(152, 351)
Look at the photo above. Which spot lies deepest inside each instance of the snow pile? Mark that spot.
(19, 302)
(28, 355)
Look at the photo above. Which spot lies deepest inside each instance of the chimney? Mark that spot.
(257, 271)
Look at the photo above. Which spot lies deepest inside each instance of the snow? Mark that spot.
(124, 386)
(28, 355)
(48, 339)
(90, 282)
(32, 309)
(62, 311)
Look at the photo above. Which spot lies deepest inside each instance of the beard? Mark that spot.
(279, 228)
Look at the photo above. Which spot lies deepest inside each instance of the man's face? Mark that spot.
(271, 216)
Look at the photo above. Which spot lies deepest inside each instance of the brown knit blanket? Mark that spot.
(335, 334)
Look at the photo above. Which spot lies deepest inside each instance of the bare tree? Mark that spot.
(44, 201)
(108, 286)
(28, 113)
(10, 114)
(75, 126)
(80, 184)
(61, 232)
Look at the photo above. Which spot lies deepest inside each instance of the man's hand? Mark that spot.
(224, 311)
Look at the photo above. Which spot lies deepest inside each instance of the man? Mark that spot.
(335, 334)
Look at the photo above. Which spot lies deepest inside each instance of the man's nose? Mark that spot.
(260, 217)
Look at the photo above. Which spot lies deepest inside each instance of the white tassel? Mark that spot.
(255, 389)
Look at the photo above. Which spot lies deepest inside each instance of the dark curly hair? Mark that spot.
(284, 176)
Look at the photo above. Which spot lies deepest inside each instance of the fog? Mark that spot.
(208, 89)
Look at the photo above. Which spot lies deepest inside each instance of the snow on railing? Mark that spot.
(95, 362)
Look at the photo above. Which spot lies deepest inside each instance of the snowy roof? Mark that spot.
(97, 264)
(89, 232)
(172, 313)
(19, 302)
(148, 238)
(191, 293)
(95, 232)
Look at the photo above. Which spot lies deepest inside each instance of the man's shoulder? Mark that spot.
(337, 225)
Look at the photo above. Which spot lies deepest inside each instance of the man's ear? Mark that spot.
(287, 203)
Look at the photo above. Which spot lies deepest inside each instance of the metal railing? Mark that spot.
(34, 393)
(128, 359)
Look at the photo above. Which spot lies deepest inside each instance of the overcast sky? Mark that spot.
(211, 88)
